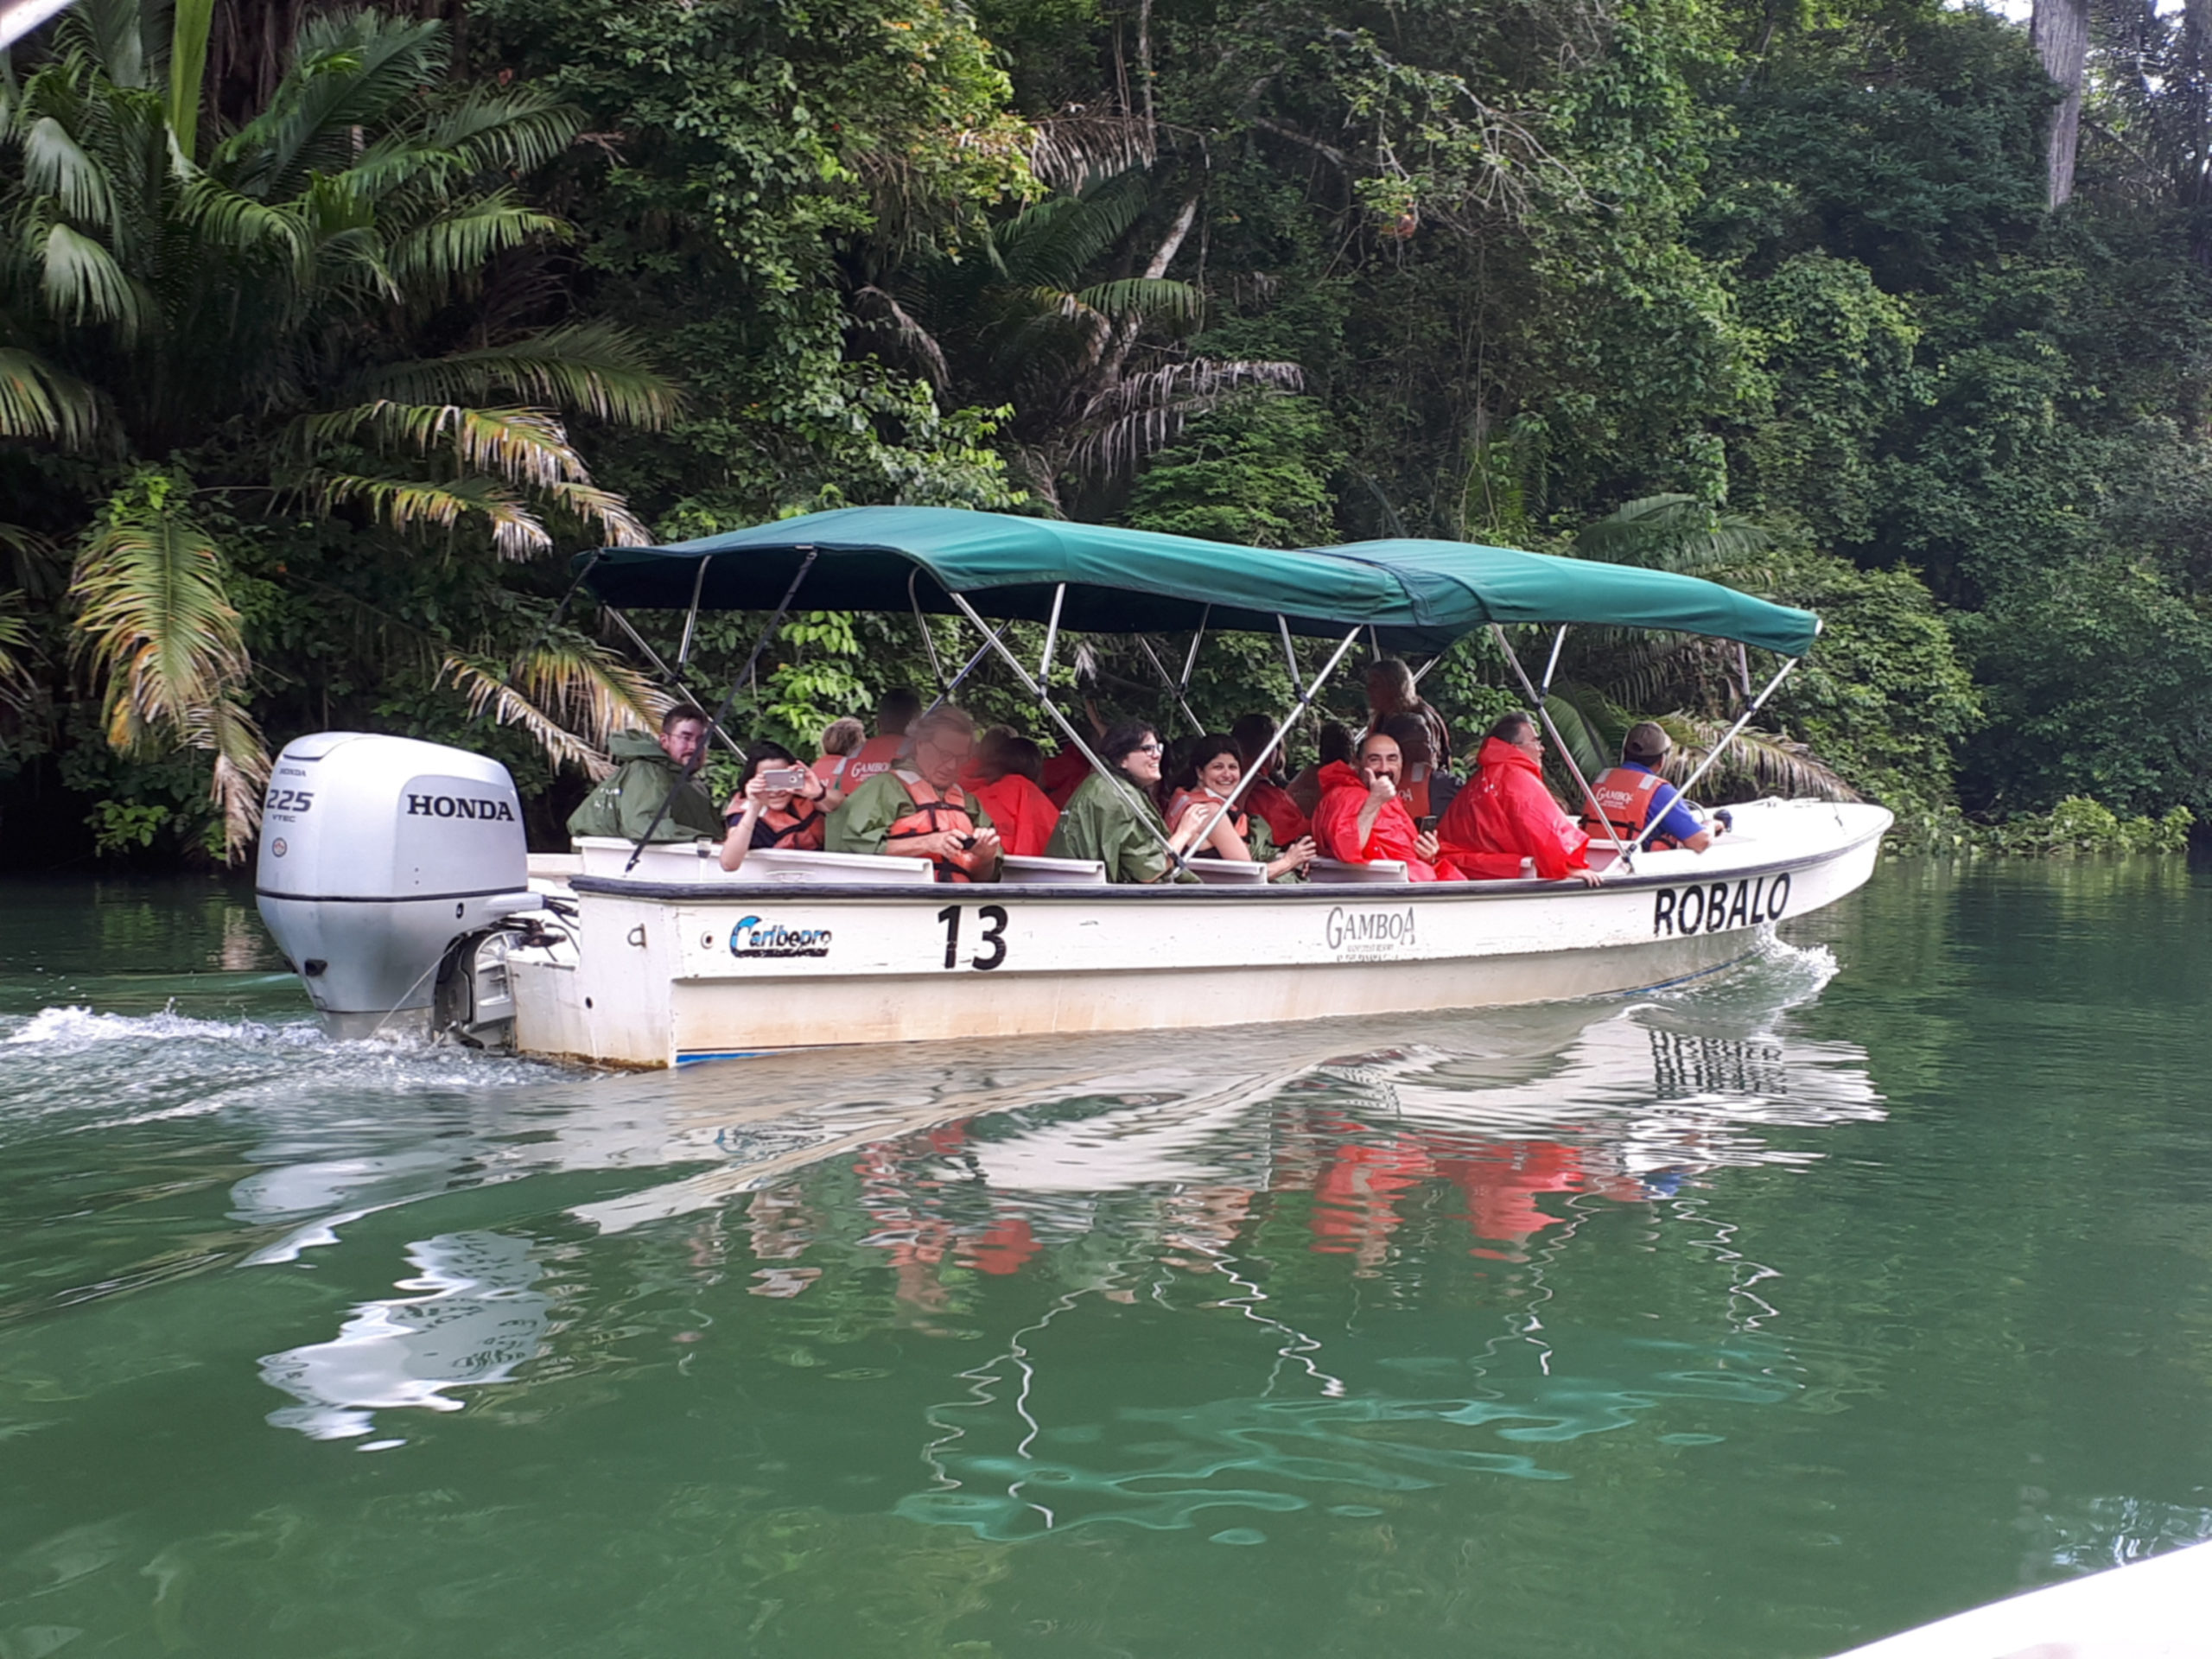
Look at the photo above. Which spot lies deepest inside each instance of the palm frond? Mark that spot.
(877, 310)
(1052, 244)
(80, 281)
(1672, 532)
(56, 165)
(240, 223)
(596, 367)
(503, 129)
(1592, 724)
(617, 523)
(450, 249)
(523, 446)
(1757, 762)
(16, 682)
(350, 70)
(155, 618)
(1149, 298)
(1073, 152)
(1145, 412)
(568, 694)
(410, 504)
(40, 401)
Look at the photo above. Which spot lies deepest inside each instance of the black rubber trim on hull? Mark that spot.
(390, 898)
(1097, 892)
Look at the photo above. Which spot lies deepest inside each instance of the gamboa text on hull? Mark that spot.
(395, 875)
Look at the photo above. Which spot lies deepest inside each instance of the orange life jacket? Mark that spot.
(875, 755)
(800, 831)
(1193, 800)
(831, 768)
(1625, 798)
(948, 811)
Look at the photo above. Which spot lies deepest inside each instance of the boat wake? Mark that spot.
(79, 1070)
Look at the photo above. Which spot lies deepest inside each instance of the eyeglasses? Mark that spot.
(1149, 748)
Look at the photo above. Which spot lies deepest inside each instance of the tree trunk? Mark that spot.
(2061, 34)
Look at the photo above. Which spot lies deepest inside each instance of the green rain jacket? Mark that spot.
(624, 805)
(1102, 821)
(863, 823)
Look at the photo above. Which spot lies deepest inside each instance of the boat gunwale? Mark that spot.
(611, 887)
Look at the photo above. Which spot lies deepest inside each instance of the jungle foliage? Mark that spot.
(319, 355)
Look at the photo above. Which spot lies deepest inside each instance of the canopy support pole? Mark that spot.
(1305, 701)
(921, 623)
(1067, 727)
(1289, 650)
(671, 677)
(973, 663)
(1191, 657)
(1621, 851)
(1168, 680)
(715, 719)
(1551, 667)
(692, 616)
(1733, 732)
(1052, 635)
(1422, 673)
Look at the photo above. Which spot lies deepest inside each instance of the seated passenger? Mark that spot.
(877, 756)
(780, 804)
(1304, 790)
(918, 810)
(1209, 778)
(652, 772)
(841, 741)
(1116, 819)
(1506, 824)
(1392, 691)
(1254, 735)
(1427, 788)
(1003, 777)
(1633, 796)
(1361, 818)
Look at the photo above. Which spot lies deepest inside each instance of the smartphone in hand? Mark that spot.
(783, 777)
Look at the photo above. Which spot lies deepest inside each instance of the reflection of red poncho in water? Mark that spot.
(1504, 815)
(1335, 827)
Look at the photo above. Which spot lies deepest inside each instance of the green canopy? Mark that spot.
(1417, 595)
(1456, 586)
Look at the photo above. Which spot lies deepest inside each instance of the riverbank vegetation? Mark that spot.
(327, 334)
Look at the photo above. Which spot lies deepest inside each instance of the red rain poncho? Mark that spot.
(1504, 815)
(1335, 827)
(1022, 813)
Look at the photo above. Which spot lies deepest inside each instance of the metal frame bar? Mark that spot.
(692, 616)
(1621, 849)
(1197, 729)
(1305, 701)
(922, 625)
(1191, 657)
(973, 663)
(1051, 636)
(670, 676)
(1682, 792)
(1067, 727)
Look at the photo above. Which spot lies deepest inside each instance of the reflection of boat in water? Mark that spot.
(1505, 1129)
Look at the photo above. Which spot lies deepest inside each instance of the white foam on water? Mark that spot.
(76, 1026)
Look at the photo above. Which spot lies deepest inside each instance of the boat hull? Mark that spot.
(665, 974)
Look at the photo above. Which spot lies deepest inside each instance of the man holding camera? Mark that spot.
(918, 810)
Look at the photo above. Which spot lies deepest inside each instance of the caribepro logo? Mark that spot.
(754, 937)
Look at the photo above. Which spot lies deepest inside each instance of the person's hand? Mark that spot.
(988, 846)
(740, 802)
(1424, 845)
(1380, 788)
(1587, 878)
(1301, 852)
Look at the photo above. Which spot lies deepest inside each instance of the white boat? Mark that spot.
(394, 876)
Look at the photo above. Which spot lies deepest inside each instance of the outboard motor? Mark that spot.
(380, 855)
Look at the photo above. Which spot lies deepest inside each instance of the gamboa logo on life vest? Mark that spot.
(1678, 911)
(753, 936)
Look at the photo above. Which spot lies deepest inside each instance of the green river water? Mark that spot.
(1867, 1282)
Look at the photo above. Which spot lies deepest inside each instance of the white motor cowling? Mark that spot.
(377, 853)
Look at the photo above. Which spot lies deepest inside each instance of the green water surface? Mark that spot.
(1864, 1283)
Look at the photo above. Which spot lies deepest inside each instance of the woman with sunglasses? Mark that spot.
(1115, 819)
